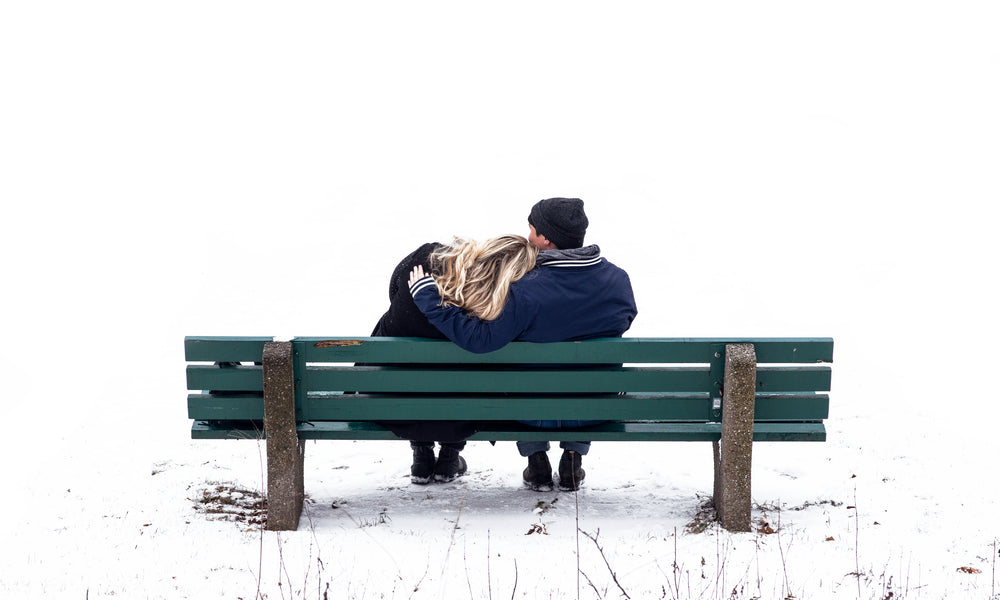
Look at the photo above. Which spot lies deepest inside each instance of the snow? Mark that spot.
(222, 168)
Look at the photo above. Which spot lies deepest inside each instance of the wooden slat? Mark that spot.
(791, 350)
(644, 431)
(655, 432)
(611, 350)
(358, 407)
(247, 378)
(814, 378)
(614, 379)
(540, 381)
(365, 407)
(229, 349)
(791, 407)
(789, 432)
(227, 430)
(225, 407)
(630, 350)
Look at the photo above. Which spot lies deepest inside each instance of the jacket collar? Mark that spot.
(574, 257)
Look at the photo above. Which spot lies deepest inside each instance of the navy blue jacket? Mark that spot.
(570, 295)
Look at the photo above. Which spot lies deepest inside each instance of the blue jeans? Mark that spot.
(581, 448)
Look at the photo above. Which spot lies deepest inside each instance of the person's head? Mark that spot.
(476, 276)
(557, 223)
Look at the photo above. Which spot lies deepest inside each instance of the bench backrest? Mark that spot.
(371, 379)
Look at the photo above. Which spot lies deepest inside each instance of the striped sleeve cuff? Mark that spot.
(421, 284)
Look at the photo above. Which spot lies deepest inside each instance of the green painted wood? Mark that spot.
(363, 407)
(655, 432)
(815, 378)
(388, 379)
(791, 407)
(225, 407)
(611, 350)
(789, 432)
(299, 369)
(246, 378)
(787, 409)
(612, 432)
(228, 430)
(791, 350)
(675, 379)
(469, 380)
(231, 349)
(641, 406)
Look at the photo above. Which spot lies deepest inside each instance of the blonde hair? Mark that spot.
(476, 276)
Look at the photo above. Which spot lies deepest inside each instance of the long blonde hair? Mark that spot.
(476, 276)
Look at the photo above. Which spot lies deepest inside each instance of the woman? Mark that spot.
(476, 277)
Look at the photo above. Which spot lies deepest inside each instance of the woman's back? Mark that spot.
(472, 276)
(404, 319)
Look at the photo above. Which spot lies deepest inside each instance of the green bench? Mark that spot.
(731, 392)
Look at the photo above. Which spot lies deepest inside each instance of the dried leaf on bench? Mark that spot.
(337, 343)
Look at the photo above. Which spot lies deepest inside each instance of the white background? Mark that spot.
(223, 168)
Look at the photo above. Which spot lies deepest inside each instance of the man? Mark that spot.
(572, 294)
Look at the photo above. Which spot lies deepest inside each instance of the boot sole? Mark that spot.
(446, 477)
(539, 487)
(568, 487)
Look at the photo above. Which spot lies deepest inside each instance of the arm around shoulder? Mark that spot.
(469, 333)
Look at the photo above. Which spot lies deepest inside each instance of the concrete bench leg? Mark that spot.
(732, 455)
(285, 453)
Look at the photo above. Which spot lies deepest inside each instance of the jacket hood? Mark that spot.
(587, 253)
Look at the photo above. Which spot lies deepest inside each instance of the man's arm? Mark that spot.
(470, 333)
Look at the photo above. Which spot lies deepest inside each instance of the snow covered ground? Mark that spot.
(223, 168)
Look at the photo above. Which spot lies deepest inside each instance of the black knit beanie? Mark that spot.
(561, 220)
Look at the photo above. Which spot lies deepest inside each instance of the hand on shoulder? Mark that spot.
(416, 274)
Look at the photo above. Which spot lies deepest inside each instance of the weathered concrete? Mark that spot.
(717, 488)
(733, 453)
(285, 453)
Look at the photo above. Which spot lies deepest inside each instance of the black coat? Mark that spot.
(404, 319)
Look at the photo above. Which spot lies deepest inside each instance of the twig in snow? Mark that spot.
(594, 587)
(283, 568)
(993, 590)
(358, 524)
(260, 556)
(720, 566)
(614, 576)
(756, 542)
(857, 540)
(422, 577)
(319, 559)
(576, 500)
(784, 563)
(676, 569)
(451, 543)
(514, 591)
(465, 560)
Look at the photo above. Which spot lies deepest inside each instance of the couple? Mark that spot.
(483, 295)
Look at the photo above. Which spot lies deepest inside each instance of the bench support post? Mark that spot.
(285, 453)
(733, 453)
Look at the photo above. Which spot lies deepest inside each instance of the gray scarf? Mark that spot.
(587, 252)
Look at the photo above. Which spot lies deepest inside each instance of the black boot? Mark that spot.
(538, 475)
(450, 465)
(422, 468)
(571, 471)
